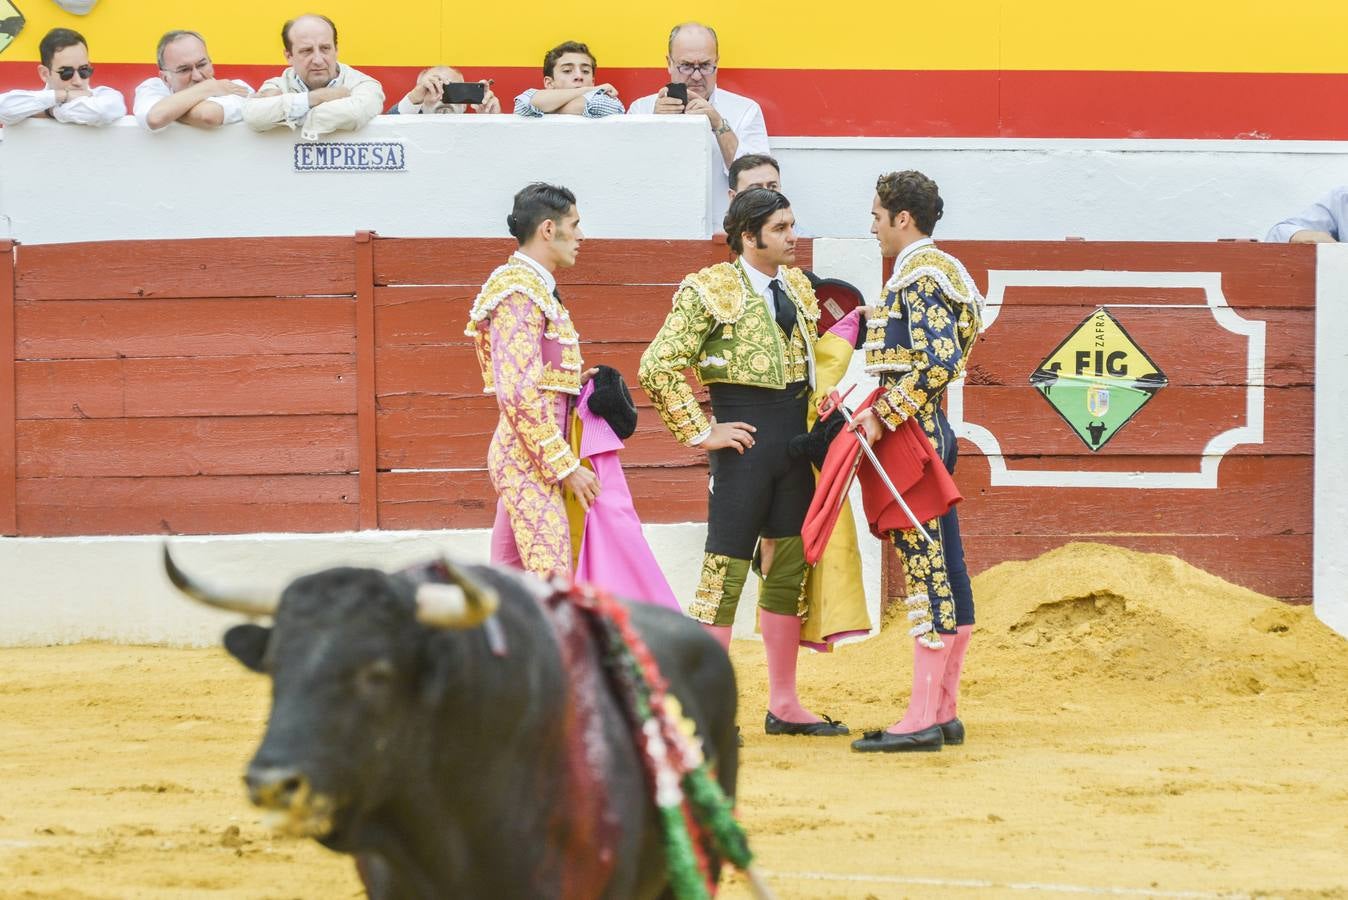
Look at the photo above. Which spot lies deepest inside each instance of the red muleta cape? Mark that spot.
(911, 463)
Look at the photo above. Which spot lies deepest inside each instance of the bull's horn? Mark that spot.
(254, 605)
(466, 603)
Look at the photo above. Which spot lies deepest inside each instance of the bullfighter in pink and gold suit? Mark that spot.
(529, 352)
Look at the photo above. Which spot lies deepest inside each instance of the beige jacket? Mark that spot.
(288, 108)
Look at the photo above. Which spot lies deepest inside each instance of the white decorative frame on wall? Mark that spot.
(1252, 432)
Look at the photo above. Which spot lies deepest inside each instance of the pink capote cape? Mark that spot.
(614, 554)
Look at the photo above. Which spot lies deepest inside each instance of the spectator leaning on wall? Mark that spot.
(736, 122)
(569, 88)
(69, 95)
(315, 94)
(1321, 224)
(428, 96)
(186, 89)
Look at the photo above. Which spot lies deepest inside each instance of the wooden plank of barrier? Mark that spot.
(108, 329)
(431, 432)
(468, 262)
(453, 370)
(1253, 274)
(367, 428)
(226, 445)
(220, 386)
(465, 499)
(1177, 420)
(193, 505)
(1184, 343)
(1253, 498)
(210, 267)
(8, 458)
(435, 315)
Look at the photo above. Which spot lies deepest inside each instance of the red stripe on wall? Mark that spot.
(943, 104)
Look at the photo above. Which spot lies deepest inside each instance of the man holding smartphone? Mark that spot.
(736, 122)
(441, 90)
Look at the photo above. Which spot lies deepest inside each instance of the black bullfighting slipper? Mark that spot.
(827, 728)
(952, 732)
(927, 739)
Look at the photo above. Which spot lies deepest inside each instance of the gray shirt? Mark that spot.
(1329, 214)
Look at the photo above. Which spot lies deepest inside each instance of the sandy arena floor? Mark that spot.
(1136, 728)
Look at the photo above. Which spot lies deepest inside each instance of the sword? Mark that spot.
(834, 401)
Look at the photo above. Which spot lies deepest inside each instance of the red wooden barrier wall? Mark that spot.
(324, 384)
(1254, 527)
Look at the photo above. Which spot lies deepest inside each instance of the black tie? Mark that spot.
(785, 310)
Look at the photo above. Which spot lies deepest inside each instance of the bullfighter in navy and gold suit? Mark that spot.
(917, 344)
(747, 330)
(529, 352)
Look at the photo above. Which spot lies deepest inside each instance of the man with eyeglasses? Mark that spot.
(68, 95)
(187, 90)
(316, 94)
(736, 121)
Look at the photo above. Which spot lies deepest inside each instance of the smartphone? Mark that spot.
(677, 91)
(465, 92)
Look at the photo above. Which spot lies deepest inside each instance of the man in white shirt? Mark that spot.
(187, 90)
(68, 95)
(569, 88)
(736, 122)
(428, 96)
(1323, 223)
(316, 94)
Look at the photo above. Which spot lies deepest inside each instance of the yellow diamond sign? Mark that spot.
(1098, 378)
(11, 23)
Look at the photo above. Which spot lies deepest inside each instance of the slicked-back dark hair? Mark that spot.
(285, 29)
(533, 204)
(552, 56)
(752, 161)
(749, 212)
(56, 40)
(915, 192)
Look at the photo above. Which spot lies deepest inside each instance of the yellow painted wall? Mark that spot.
(1141, 35)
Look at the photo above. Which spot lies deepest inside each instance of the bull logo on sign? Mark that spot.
(1097, 401)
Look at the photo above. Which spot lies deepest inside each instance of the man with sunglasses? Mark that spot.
(187, 90)
(68, 95)
(736, 121)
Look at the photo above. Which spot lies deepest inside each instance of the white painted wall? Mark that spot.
(60, 183)
(1140, 190)
(1331, 437)
(636, 176)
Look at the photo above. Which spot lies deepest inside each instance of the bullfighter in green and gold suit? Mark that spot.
(747, 330)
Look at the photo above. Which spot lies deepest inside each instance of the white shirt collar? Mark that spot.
(909, 251)
(757, 280)
(331, 83)
(548, 278)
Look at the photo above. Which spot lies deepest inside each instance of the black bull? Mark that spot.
(442, 766)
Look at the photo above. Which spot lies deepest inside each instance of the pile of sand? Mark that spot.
(1089, 618)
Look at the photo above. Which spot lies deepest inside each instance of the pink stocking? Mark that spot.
(781, 641)
(721, 633)
(950, 682)
(928, 671)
